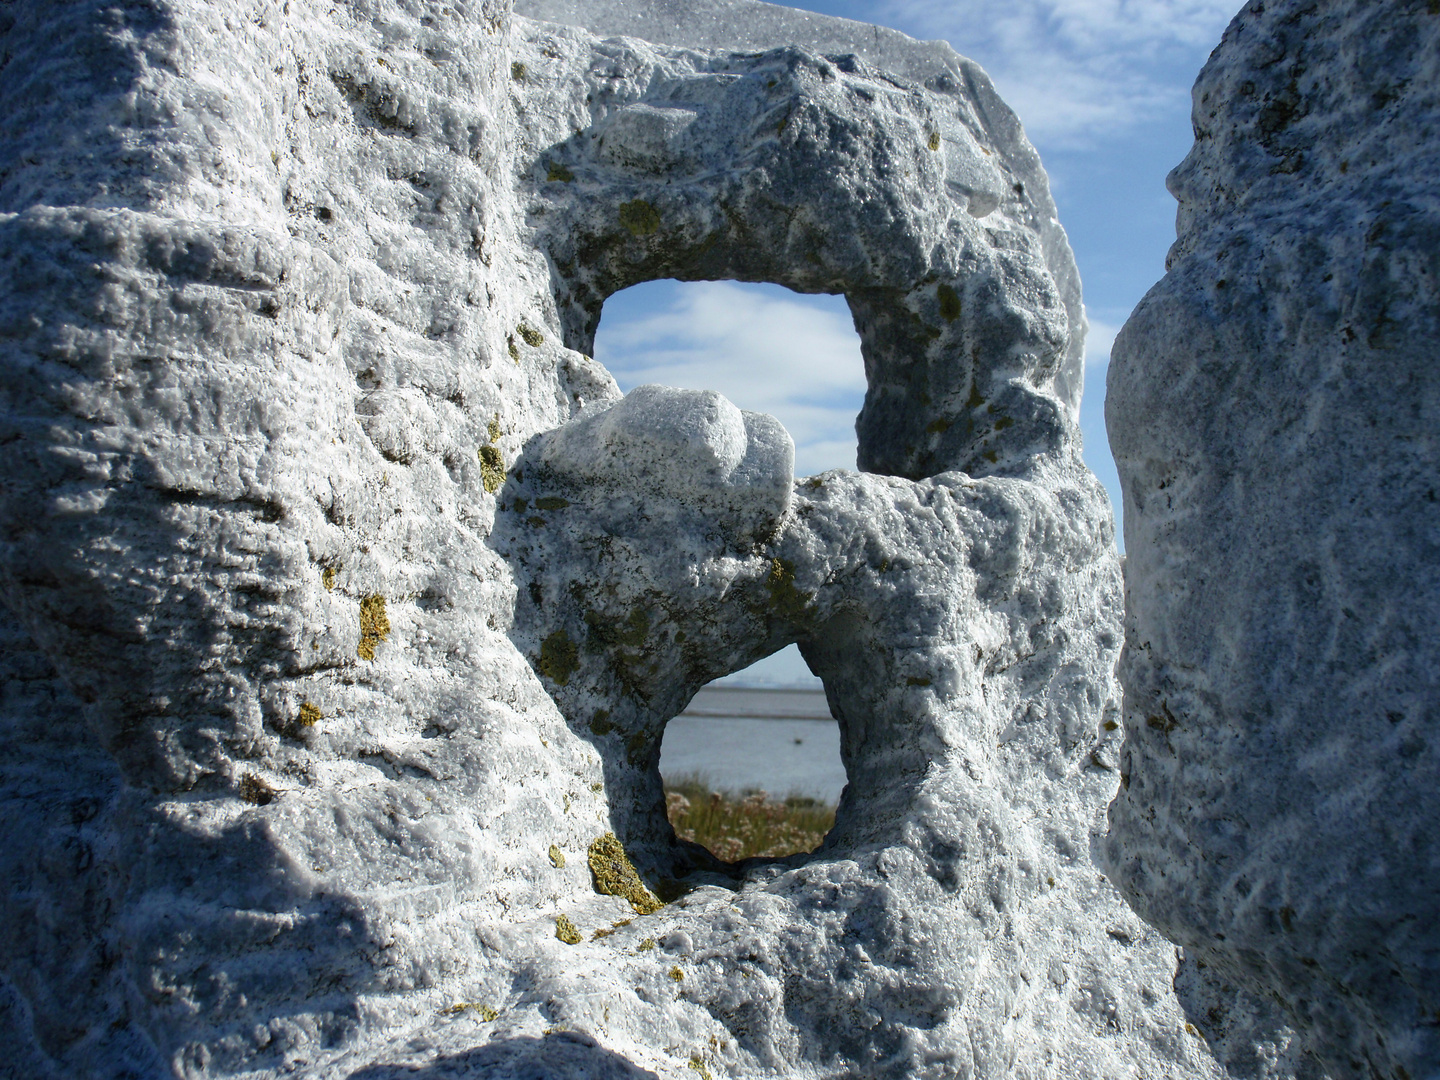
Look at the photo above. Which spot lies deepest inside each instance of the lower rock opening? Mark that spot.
(752, 767)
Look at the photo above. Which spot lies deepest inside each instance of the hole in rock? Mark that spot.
(752, 766)
(766, 348)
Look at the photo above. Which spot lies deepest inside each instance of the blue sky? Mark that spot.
(1103, 89)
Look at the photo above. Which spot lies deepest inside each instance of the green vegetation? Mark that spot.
(751, 825)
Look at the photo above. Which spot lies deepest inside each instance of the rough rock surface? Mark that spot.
(1273, 406)
(345, 601)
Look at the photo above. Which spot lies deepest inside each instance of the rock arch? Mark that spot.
(268, 476)
(823, 174)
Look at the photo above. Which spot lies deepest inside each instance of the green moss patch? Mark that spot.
(949, 303)
(637, 749)
(639, 217)
(559, 173)
(310, 715)
(328, 576)
(605, 633)
(534, 338)
(559, 658)
(615, 875)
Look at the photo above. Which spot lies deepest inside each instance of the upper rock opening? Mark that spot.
(764, 347)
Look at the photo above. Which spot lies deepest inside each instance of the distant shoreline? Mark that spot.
(760, 703)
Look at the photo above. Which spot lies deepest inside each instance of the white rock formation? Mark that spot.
(345, 606)
(1273, 407)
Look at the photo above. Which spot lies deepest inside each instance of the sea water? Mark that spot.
(739, 739)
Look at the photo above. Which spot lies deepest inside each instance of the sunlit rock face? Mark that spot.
(1273, 408)
(346, 600)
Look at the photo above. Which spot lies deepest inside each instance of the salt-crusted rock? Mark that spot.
(1273, 407)
(346, 602)
(661, 446)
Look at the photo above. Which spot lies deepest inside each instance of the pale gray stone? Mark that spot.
(986, 159)
(1273, 408)
(347, 600)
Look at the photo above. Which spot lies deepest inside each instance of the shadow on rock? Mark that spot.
(564, 1055)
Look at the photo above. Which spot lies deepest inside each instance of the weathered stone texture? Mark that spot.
(1273, 407)
(344, 593)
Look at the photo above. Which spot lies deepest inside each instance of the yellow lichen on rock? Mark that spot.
(615, 875)
(487, 1014)
(374, 626)
(557, 857)
(567, 931)
(310, 715)
(492, 468)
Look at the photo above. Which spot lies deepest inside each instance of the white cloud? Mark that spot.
(1074, 70)
(797, 358)
(1098, 341)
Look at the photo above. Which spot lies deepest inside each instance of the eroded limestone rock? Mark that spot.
(347, 601)
(1273, 405)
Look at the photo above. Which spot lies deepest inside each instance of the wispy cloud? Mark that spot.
(1098, 341)
(767, 350)
(1076, 71)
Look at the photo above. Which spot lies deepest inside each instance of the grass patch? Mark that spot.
(748, 825)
